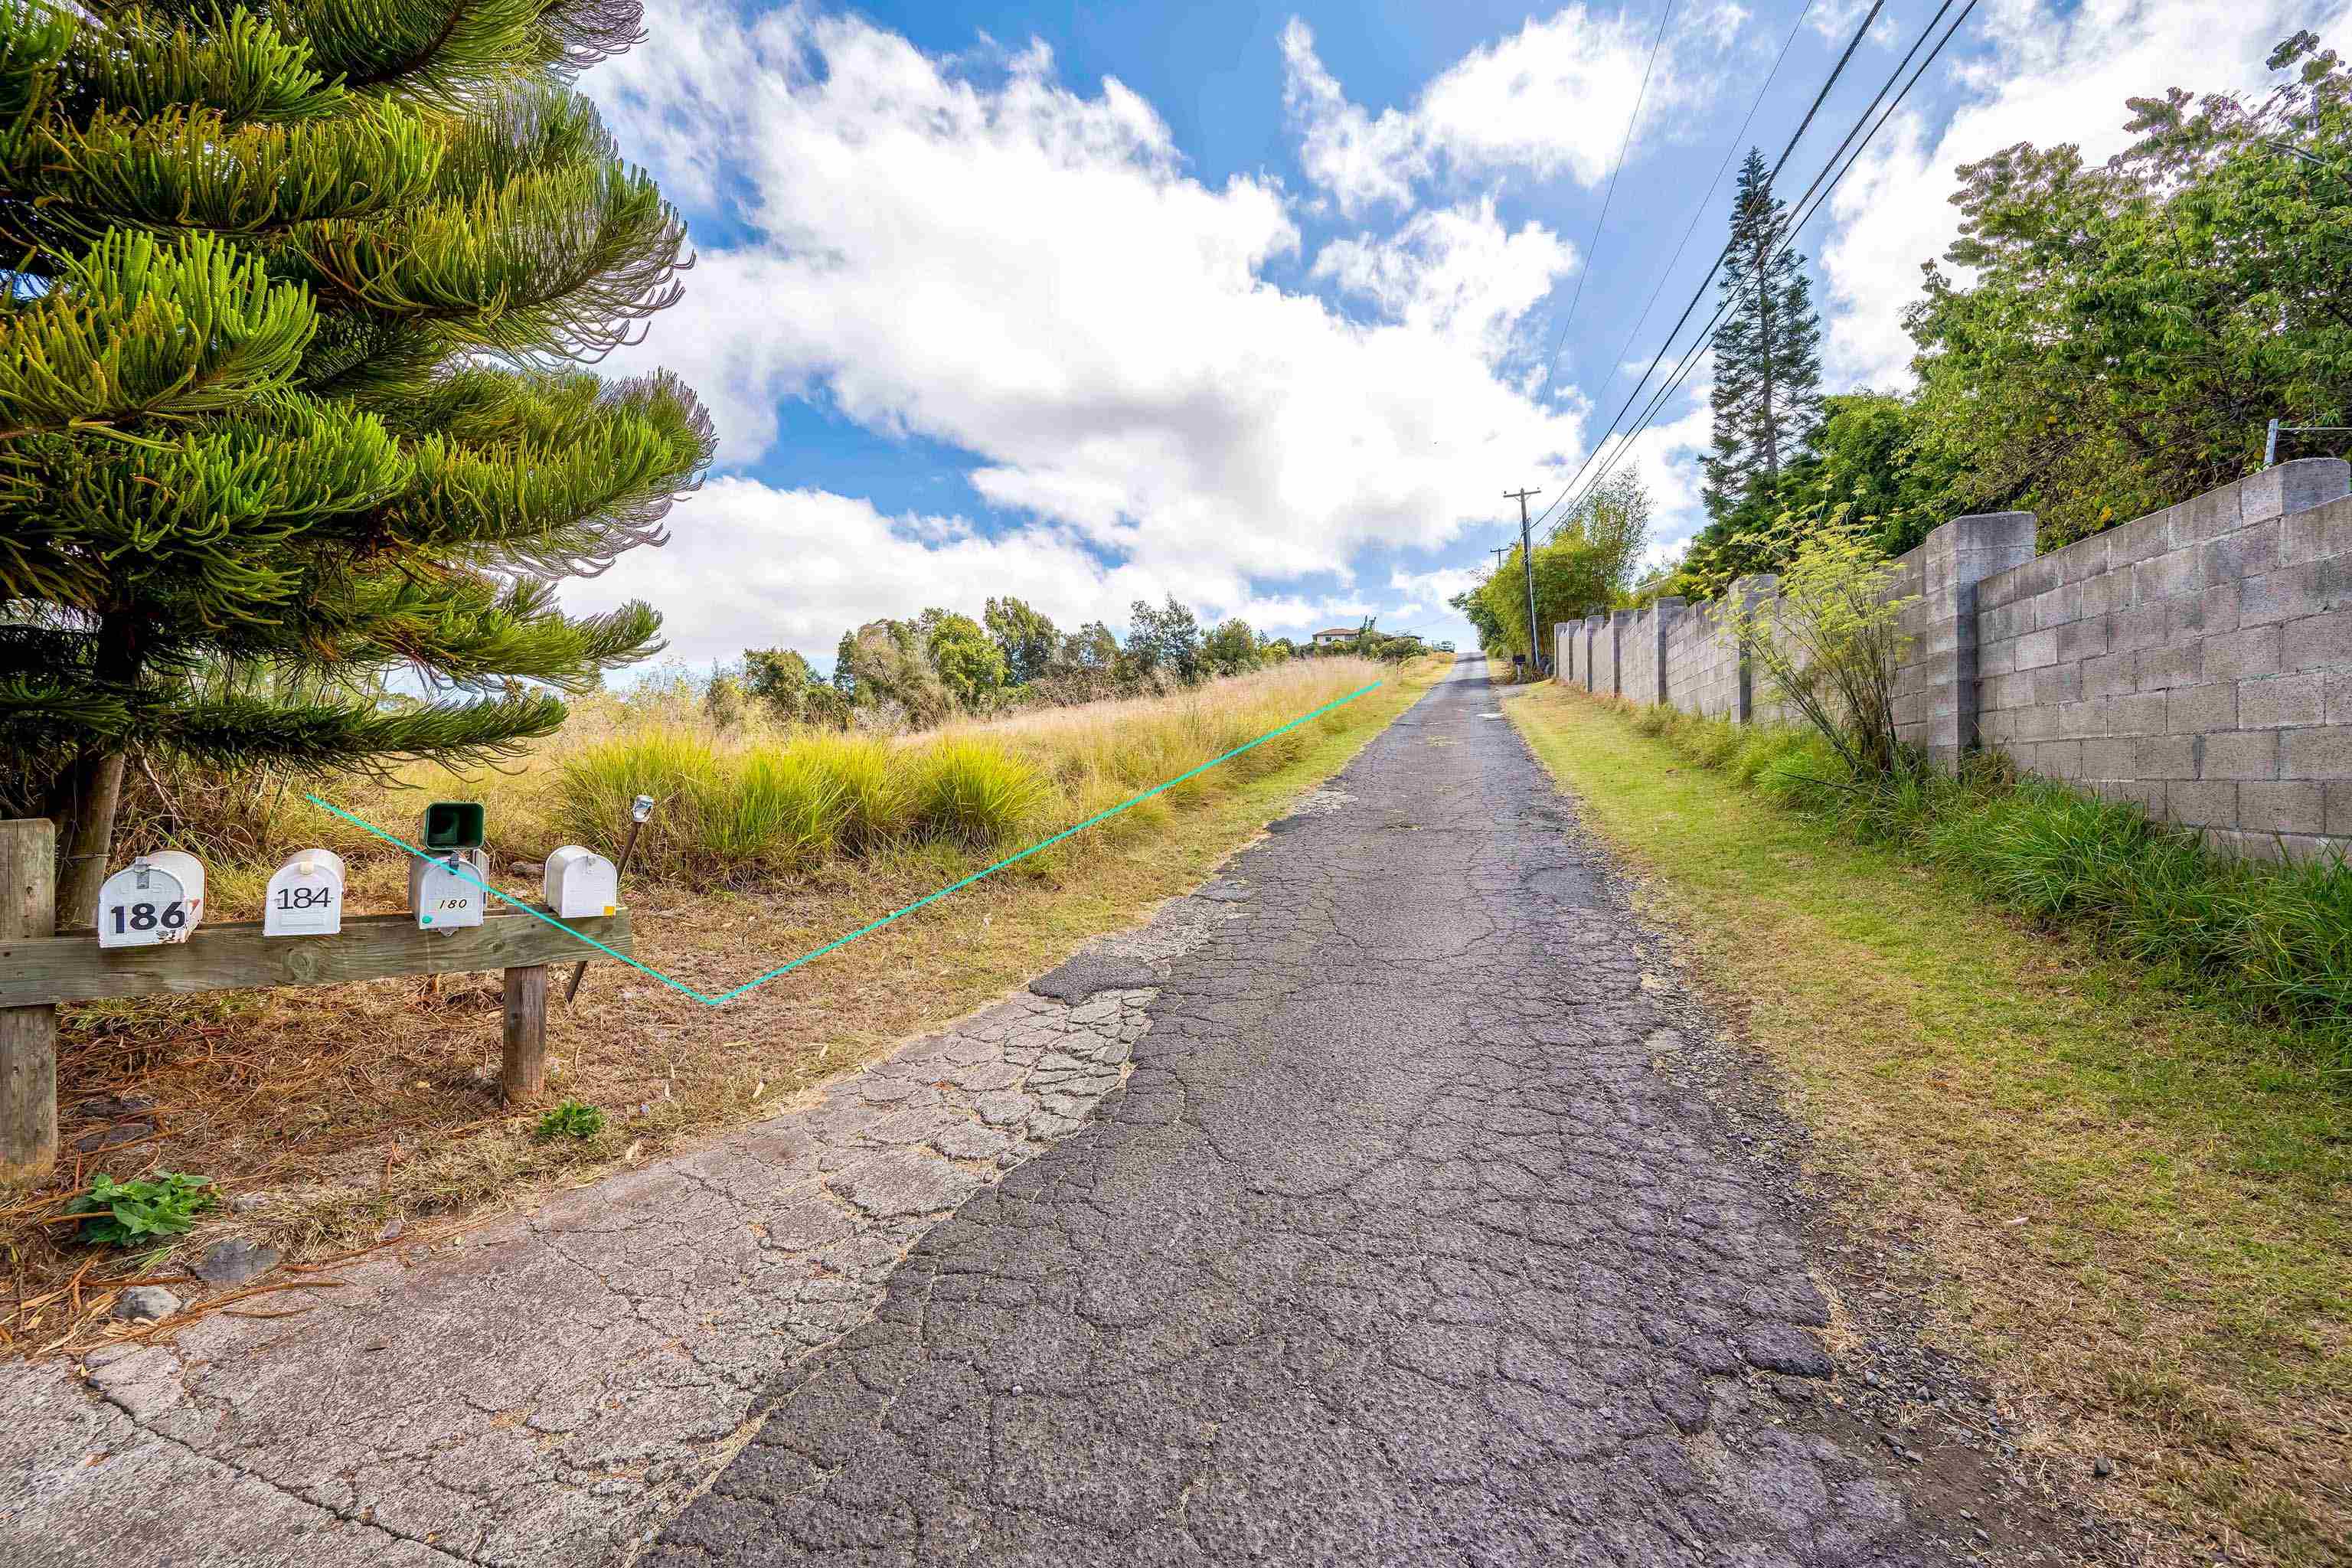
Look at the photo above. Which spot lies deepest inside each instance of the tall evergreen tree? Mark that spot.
(1768, 363)
(283, 383)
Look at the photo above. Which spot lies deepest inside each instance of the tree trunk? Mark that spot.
(97, 792)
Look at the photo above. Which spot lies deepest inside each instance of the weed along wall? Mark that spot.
(2197, 660)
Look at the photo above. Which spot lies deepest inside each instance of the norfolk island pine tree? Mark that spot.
(1768, 364)
(291, 383)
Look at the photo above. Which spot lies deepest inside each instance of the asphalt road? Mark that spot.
(1399, 1246)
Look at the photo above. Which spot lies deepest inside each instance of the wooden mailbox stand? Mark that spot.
(38, 970)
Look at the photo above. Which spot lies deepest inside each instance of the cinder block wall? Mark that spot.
(2198, 661)
(1703, 665)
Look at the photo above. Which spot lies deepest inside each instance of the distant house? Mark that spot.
(1331, 635)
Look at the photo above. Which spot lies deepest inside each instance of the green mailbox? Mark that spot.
(453, 824)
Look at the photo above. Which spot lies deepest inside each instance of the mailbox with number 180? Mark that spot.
(447, 886)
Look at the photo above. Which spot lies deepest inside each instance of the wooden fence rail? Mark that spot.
(38, 970)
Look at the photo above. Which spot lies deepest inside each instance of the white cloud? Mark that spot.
(1361, 160)
(1430, 590)
(982, 257)
(753, 566)
(1456, 273)
(1552, 97)
(2051, 75)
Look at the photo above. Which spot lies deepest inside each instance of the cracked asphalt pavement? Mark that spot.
(1358, 1208)
(1397, 1244)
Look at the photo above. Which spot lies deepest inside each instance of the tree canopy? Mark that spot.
(2124, 332)
(2102, 340)
(283, 383)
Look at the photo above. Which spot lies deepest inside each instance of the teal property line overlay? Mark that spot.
(725, 997)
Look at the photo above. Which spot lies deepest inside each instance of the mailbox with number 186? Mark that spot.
(157, 898)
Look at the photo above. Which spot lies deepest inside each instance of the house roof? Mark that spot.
(1338, 631)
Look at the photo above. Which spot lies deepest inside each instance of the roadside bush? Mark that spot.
(595, 786)
(870, 804)
(976, 792)
(1827, 643)
(2270, 942)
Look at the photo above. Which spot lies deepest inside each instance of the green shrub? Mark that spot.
(573, 1119)
(125, 1213)
(776, 808)
(975, 793)
(597, 784)
(868, 776)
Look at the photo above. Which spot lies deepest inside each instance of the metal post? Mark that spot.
(2270, 447)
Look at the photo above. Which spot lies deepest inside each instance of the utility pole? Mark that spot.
(1527, 570)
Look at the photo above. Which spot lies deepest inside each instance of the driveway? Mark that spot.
(1401, 1244)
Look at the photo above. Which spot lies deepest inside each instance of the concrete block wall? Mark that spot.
(1936, 678)
(1704, 666)
(2198, 661)
(1637, 655)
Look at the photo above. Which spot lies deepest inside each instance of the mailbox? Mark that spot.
(306, 896)
(451, 825)
(447, 890)
(156, 898)
(581, 882)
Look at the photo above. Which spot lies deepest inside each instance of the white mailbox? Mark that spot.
(306, 896)
(581, 882)
(446, 891)
(157, 898)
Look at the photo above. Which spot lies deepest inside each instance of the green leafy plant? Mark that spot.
(124, 1214)
(1828, 642)
(573, 1119)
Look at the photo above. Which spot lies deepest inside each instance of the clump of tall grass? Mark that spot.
(2271, 942)
(976, 792)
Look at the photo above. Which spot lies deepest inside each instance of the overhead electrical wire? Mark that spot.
(1593, 247)
(1696, 353)
(1810, 206)
(1706, 333)
(1698, 210)
(1796, 136)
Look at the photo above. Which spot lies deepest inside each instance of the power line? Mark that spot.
(1807, 195)
(1592, 248)
(1791, 230)
(1730, 151)
(1700, 292)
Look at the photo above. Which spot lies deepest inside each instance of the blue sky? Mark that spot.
(1257, 305)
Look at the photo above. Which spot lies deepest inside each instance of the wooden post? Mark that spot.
(29, 1036)
(522, 1074)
